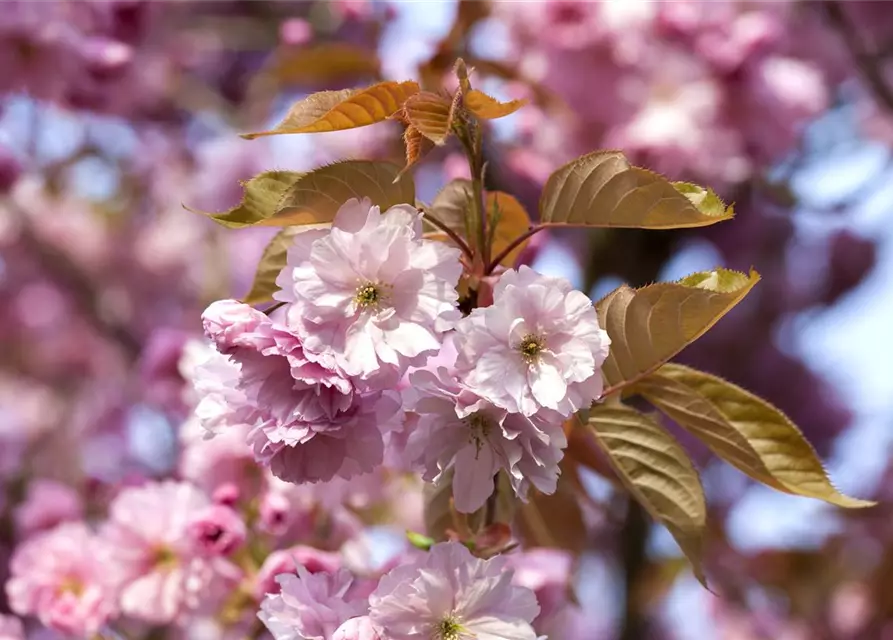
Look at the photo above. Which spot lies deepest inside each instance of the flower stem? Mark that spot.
(514, 244)
(455, 237)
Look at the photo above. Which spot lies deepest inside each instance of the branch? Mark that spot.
(633, 541)
(77, 284)
(514, 244)
(455, 237)
(867, 62)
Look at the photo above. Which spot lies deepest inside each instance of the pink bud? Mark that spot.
(295, 31)
(227, 494)
(217, 530)
(47, 504)
(274, 513)
(356, 629)
(286, 561)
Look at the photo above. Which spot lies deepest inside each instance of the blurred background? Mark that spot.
(114, 113)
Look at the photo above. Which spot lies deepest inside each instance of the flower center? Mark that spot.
(531, 346)
(72, 586)
(368, 295)
(479, 428)
(448, 629)
(164, 558)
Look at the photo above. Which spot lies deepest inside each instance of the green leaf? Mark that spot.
(451, 205)
(648, 326)
(316, 197)
(271, 263)
(420, 541)
(602, 189)
(657, 472)
(346, 109)
(260, 199)
(744, 430)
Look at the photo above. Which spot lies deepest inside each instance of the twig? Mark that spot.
(514, 244)
(455, 237)
(77, 284)
(867, 62)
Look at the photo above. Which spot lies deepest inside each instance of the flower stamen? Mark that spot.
(479, 429)
(368, 295)
(531, 346)
(448, 629)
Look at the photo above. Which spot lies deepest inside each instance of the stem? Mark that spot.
(868, 63)
(477, 167)
(455, 237)
(490, 509)
(514, 244)
(633, 540)
(273, 307)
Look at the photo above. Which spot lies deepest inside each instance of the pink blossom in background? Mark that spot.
(11, 628)
(288, 560)
(47, 503)
(64, 578)
(360, 628)
(449, 592)
(217, 530)
(161, 568)
(310, 606)
(539, 346)
(459, 430)
(370, 294)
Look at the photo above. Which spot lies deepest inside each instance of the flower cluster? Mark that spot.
(369, 301)
(446, 594)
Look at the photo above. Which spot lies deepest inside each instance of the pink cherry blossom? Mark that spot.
(310, 606)
(370, 293)
(62, 577)
(47, 503)
(539, 346)
(217, 530)
(288, 560)
(348, 444)
(457, 429)
(163, 572)
(548, 573)
(309, 424)
(449, 593)
(11, 628)
(360, 628)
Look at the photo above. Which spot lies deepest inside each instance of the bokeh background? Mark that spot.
(114, 113)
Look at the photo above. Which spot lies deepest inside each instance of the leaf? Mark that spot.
(439, 513)
(489, 108)
(657, 472)
(511, 221)
(648, 326)
(271, 263)
(317, 196)
(417, 146)
(744, 430)
(602, 189)
(420, 541)
(431, 114)
(346, 109)
(554, 520)
(321, 63)
(260, 199)
(441, 517)
(451, 205)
